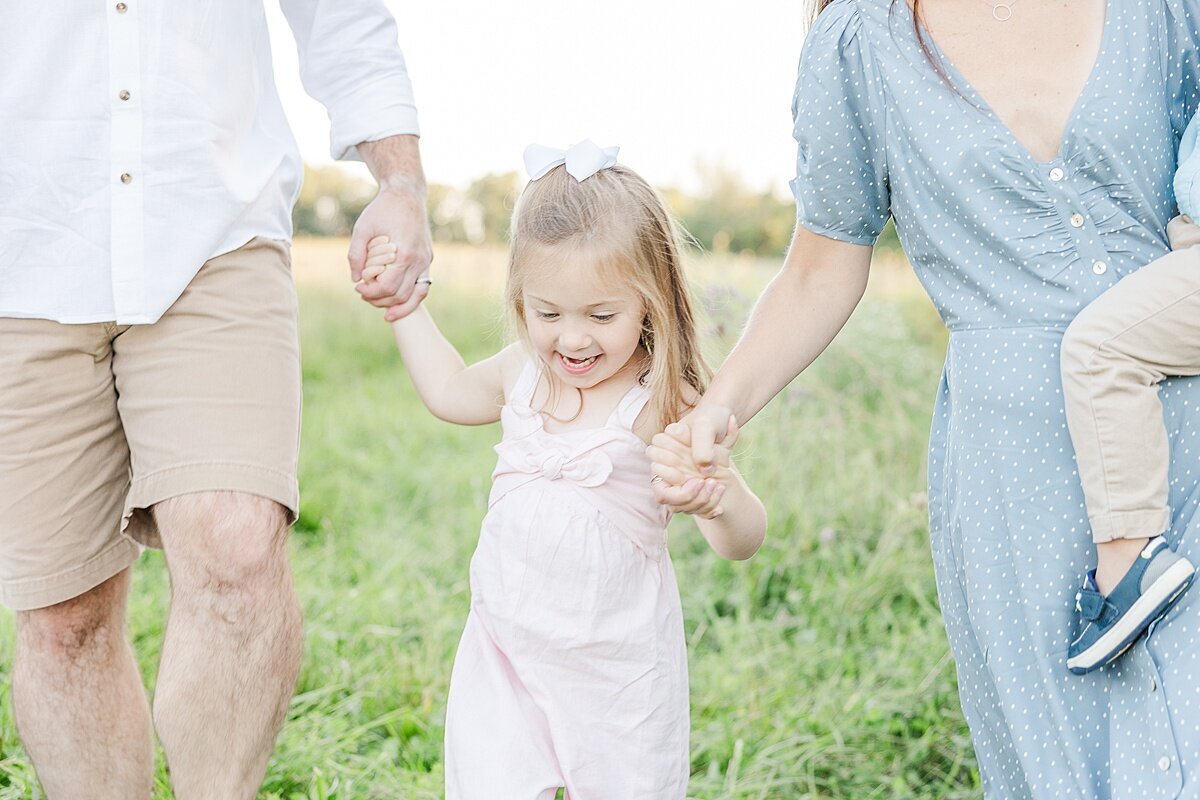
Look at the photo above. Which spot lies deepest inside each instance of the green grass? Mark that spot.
(819, 668)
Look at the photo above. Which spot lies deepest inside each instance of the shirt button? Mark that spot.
(1077, 220)
(1099, 268)
(122, 8)
(124, 94)
(1164, 763)
(126, 177)
(1057, 174)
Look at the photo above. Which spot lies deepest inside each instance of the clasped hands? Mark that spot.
(691, 461)
(395, 216)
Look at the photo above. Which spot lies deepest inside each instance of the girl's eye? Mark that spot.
(547, 315)
(603, 317)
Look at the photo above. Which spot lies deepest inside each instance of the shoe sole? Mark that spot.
(1151, 606)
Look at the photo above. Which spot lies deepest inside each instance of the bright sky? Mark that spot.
(673, 83)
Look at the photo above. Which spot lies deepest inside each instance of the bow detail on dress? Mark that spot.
(583, 159)
(588, 469)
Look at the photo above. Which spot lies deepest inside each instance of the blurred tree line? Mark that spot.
(726, 217)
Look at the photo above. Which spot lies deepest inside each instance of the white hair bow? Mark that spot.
(583, 160)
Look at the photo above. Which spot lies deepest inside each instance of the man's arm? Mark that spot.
(397, 212)
(351, 62)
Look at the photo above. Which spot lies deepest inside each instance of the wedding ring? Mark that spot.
(656, 479)
(425, 279)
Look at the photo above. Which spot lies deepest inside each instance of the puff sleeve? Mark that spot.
(841, 183)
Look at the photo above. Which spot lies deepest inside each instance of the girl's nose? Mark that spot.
(575, 339)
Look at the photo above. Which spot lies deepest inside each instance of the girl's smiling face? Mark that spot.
(583, 322)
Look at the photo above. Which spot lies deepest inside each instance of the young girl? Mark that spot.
(572, 671)
(1114, 355)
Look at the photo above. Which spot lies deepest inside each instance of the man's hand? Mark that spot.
(398, 213)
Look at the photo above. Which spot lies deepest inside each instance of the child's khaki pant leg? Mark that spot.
(1115, 353)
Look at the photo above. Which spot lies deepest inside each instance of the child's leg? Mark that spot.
(497, 741)
(1113, 357)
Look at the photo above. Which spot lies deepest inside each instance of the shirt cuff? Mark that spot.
(383, 108)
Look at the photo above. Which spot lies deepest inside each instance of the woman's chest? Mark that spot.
(1111, 125)
(1028, 65)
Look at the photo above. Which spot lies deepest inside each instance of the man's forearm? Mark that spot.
(395, 162)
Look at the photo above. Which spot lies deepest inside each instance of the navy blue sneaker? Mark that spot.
(1112, 623)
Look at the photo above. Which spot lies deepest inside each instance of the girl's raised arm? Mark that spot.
(450, 389)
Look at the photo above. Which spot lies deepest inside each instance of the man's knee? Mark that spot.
(91, 623)
(223, 542)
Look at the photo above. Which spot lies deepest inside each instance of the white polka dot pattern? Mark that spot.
(1006, 247)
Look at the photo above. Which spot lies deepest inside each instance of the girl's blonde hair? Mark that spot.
(617, 218)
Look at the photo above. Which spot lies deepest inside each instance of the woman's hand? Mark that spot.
(678, 482)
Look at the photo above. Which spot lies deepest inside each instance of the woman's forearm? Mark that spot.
(795, 319)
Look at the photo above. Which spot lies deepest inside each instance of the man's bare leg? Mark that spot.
(79, 700)
(232, 648)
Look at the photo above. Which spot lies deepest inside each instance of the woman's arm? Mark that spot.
(794, 320)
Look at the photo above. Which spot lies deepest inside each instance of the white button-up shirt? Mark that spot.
(140, 138)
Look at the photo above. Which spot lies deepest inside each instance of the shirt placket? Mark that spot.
(127, 178)
(1062, 187)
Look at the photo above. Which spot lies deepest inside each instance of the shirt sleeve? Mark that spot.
(351, 63)
(841, 183)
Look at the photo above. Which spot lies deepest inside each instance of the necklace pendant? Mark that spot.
(1002, 12)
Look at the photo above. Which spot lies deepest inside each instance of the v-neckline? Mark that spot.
(977, 97)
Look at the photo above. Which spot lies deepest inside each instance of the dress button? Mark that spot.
(126, 177)
(122, 8)
(1099, 268)
(124, 94)
(1057, 174)
(1164, 763)
(1077, 220)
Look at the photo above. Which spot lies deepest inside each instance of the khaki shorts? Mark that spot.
(99, 422)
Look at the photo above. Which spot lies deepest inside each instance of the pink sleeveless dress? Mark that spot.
(572, 669)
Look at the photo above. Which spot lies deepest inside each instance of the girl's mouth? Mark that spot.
(577, 366)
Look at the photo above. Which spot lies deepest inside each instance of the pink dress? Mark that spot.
(572, 669)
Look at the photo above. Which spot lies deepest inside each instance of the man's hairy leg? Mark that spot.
(79, 700)
(232, 648)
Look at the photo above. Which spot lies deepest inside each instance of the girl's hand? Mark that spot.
(381, 254)
(677, 482)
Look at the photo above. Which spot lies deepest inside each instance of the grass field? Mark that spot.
(819, 668)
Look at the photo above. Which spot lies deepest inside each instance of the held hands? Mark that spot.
(381, 256)
(679, 482)
(397, 216)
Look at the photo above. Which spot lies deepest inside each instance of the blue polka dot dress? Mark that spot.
(1010, 249)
